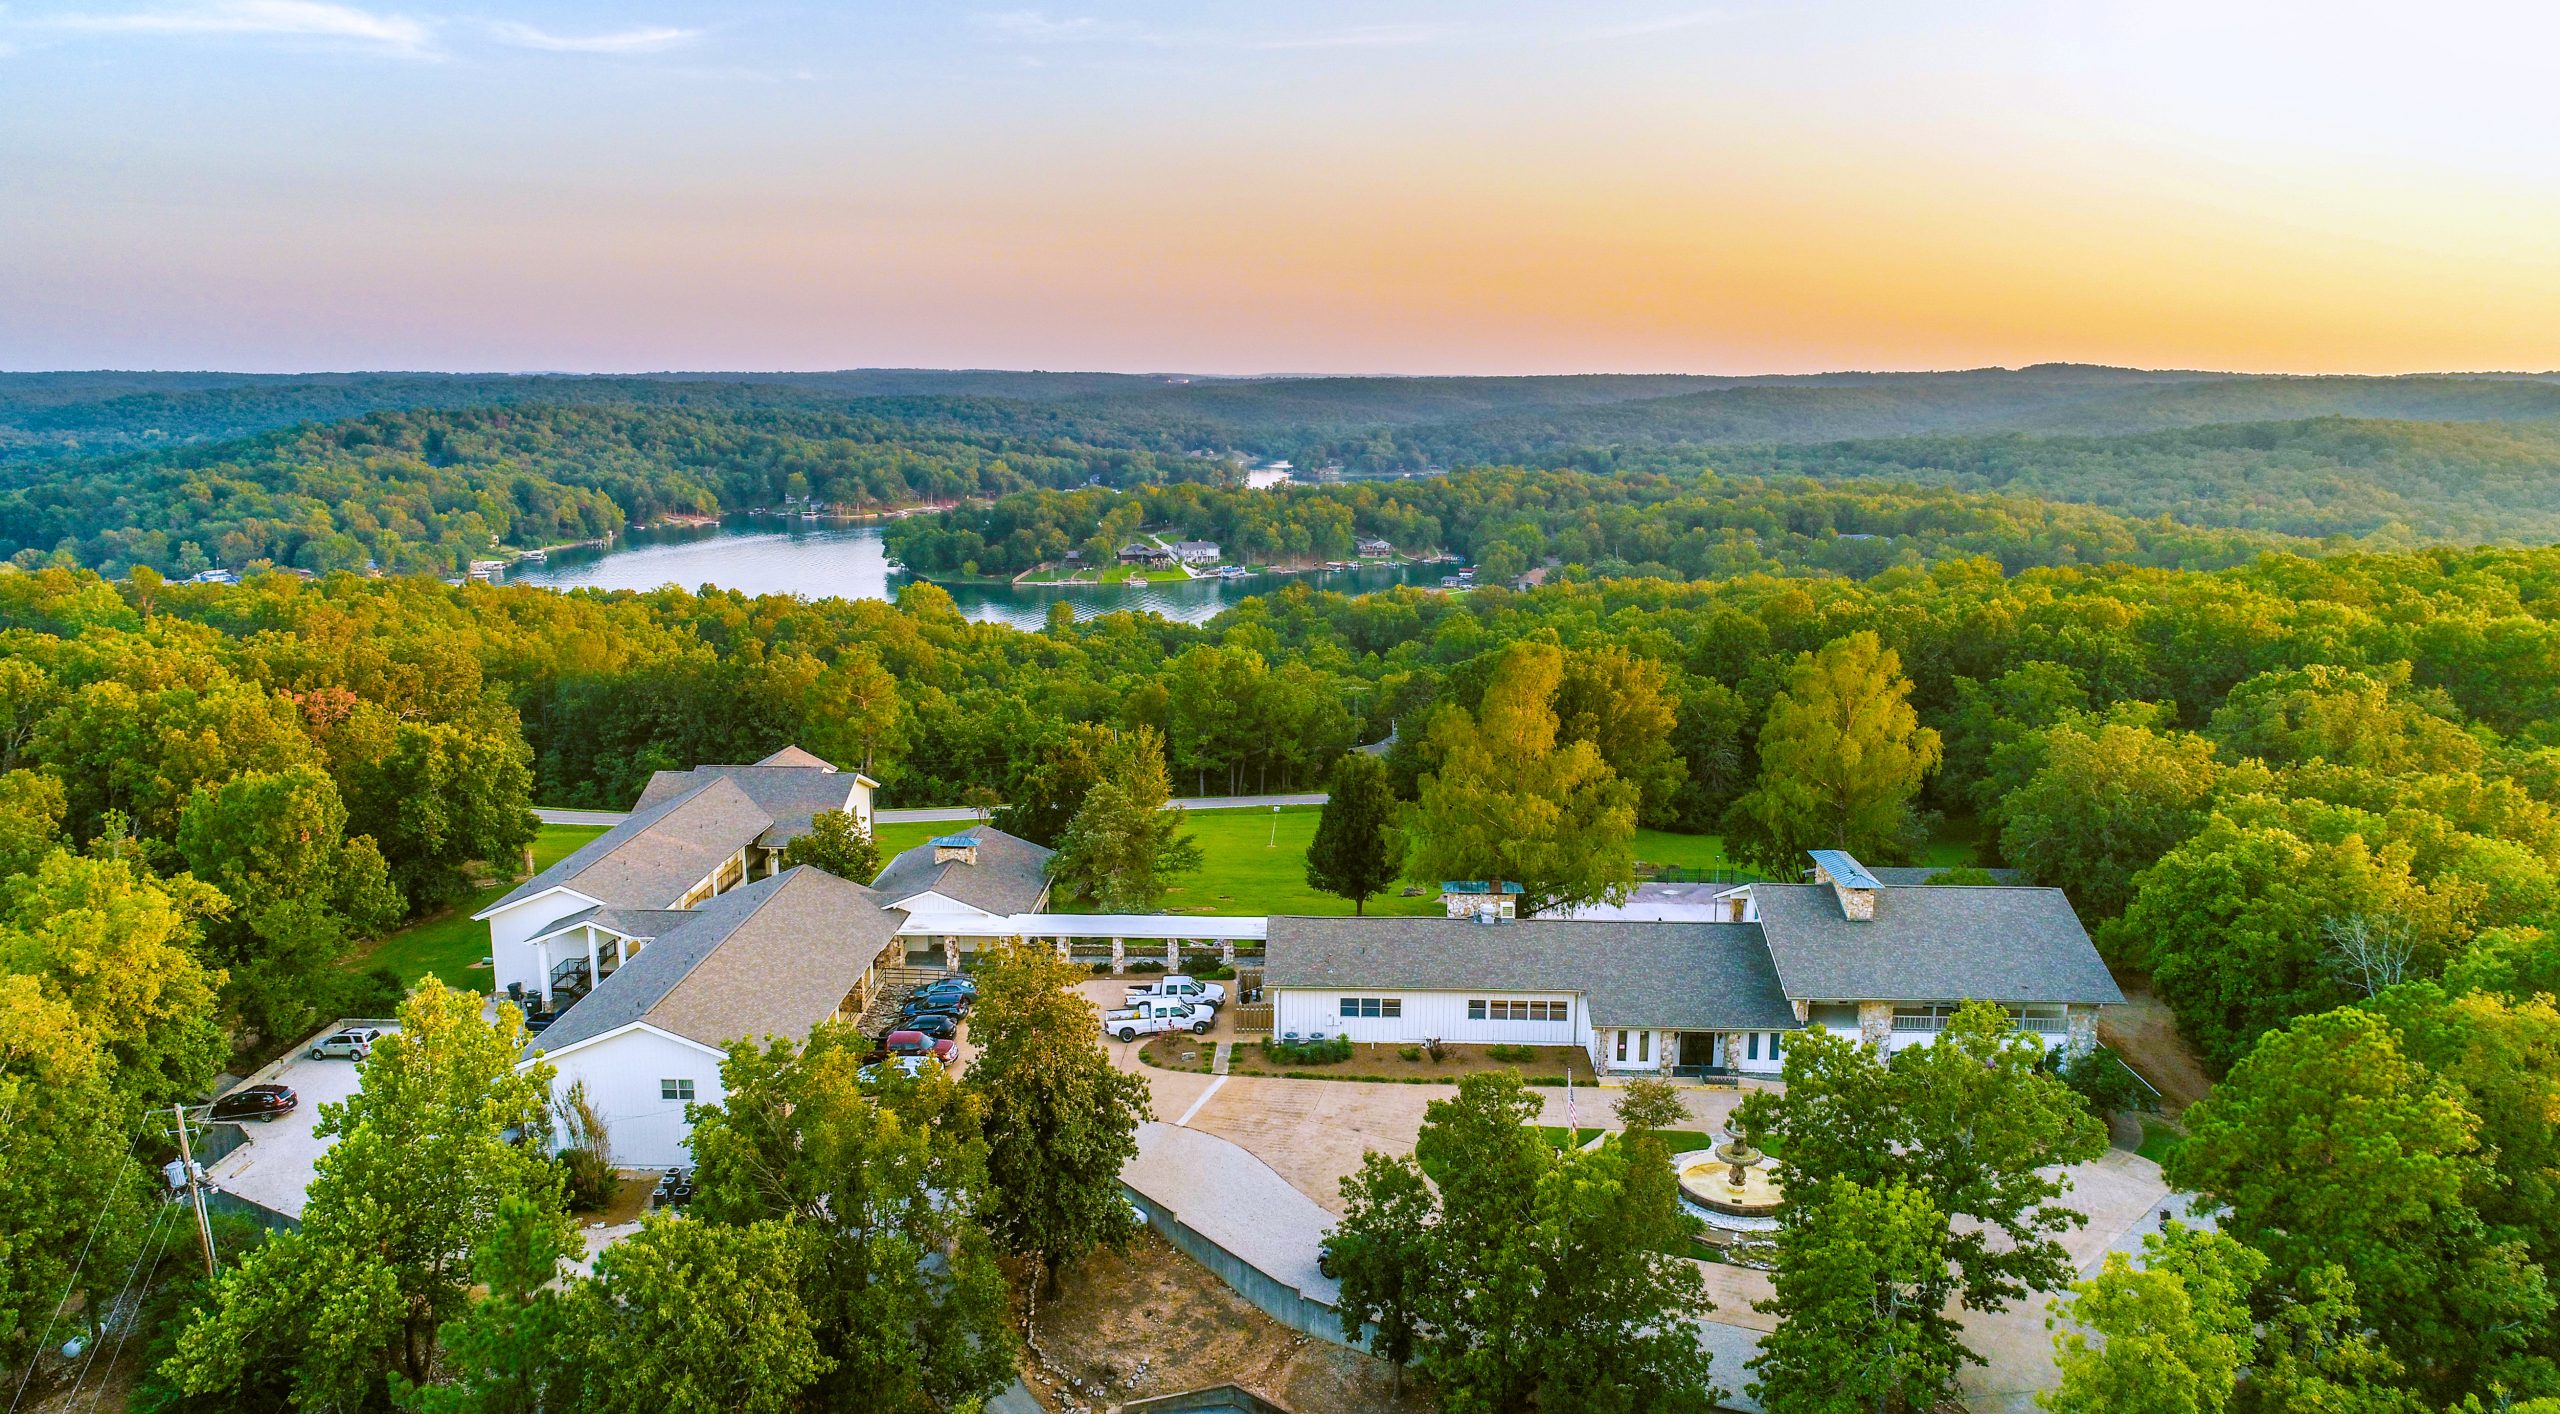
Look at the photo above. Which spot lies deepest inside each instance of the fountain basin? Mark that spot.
(1707, 1180)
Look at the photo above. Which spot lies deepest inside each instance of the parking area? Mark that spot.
(277, 1163)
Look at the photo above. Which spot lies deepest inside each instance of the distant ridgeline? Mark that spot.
(420, 473)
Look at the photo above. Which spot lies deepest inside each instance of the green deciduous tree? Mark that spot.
(1512, 801)
(508, 1354)
(1357, 851)
(2173, 1334)
(836, 843)
(1972, 1122)
(688, 1317)
(436, 796)
(1381, 1253)
(1060, 1119)
(424, 1154)
(1860, 1286)
(1842, 754)
(2109, 801)
(1651, 1104)
(2328, 1146)
(879, 1188)
(1124, 845)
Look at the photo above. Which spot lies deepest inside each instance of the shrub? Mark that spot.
(1148, 965)
(1517, 1055)
(1333, 1050)
(1102, 969)
(2101, 1081)
(1411, 1053)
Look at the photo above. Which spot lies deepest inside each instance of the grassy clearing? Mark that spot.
(446, 944)
(2160, 1138)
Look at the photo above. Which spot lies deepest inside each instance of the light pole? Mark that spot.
(1275, 829)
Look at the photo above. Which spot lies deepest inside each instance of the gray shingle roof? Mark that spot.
(1681, 976)
(770, 958)
(1933, 944)
(629, 922)
(784, 792)
(650, 859)
(1009, 876)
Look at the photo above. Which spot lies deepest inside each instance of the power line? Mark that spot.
(141, 1250)
(123, 1172)
(140, 1305)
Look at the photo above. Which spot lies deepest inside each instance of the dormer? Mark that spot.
(1849, 880)
(960, 848)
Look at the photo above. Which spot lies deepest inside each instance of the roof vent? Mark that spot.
(947, 848)
(1849, 879)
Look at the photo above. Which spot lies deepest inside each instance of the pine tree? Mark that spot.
(1357, 851)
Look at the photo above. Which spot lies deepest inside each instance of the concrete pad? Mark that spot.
(1235, 1200)
(282, 1155)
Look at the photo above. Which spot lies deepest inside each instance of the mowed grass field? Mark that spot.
(446, 944)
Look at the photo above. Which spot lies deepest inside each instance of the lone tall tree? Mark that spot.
(836, 843)
(1124, 842)
(1060, 1118)
(1356, 852)
(1509, 803)
(1841, 755)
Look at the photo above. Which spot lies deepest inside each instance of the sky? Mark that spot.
(1488, 187)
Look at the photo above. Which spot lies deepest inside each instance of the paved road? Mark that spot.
(921, 814)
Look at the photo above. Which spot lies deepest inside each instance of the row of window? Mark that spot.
(1479, 1009)
(1373, 1006)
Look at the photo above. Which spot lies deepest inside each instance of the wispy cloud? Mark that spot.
(645, 40)
(293, 19)
(1040, 27)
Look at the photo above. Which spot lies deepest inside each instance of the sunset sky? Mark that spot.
(1312, 187)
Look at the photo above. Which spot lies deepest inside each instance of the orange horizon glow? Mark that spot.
(1487, 189)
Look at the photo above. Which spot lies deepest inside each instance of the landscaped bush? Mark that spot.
(1102, 969)
(1149, 965)
(1518, 1055)
(1333, 1050)
(1411, 1053)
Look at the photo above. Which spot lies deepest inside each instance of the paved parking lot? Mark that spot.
(282, 1154)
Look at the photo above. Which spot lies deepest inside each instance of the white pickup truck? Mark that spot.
(1178, 988)
(1150, 1015)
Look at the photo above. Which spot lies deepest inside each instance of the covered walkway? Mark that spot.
(1119, 929)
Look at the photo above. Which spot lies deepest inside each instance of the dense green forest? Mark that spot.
(2315, 800)
(422, 474)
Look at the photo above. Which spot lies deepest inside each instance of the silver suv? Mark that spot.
(355, 1043)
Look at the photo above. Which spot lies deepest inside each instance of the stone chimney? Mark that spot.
(1849, 880)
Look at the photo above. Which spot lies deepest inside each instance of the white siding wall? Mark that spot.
(622, 1073)
(1441, 1015)
(510, 960)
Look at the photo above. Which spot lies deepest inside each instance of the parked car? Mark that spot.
(258, 1102)
(909, 1066)
(940, 1025)
(940, 997)
(1149, 1016)
(1178, 988)
(916, 1043)
(355, 1043)
(967, 986)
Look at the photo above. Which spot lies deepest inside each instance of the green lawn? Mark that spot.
(1122, 574)
(447, 944)
(2159, 1138)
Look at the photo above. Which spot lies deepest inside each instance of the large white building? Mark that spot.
(1887, 963)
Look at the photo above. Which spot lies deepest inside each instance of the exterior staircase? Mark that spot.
(896, 984)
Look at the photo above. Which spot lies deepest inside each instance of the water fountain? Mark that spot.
(1732, 1187)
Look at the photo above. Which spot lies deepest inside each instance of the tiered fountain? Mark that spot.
(1732, 1187)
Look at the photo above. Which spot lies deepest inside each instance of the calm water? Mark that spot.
(762, 555)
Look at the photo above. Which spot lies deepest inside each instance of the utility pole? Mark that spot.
(195, 1190)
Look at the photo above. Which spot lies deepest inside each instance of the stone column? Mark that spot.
(1062, 948)
(1119, 955)
(950, 952)
(1875, 1023)
(2081, 1035)
(1173, 954)
(1227, 951)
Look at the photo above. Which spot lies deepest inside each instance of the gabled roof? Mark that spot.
(663, 849)
(770, 958)
(1680, 976)
(794, 756)
(629, 922)
(1009, 877)
(1927, 944)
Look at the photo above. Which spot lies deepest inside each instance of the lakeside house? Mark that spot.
(677, 933)
(1373, 548)
(1196, 552)
(1147, 553)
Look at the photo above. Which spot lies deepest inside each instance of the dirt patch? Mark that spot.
(1151, 1321)
(1385, 1061)
(630, 1200)
(1180, 1050)
(2145, 1033)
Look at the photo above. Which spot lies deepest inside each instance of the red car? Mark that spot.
(916, 1043)
(259, 1102)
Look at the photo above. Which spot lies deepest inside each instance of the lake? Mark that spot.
(816, 559)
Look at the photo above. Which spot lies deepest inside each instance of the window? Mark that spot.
(1479, 1009)
(1644, 1046)
(1752, 1048)
(676, 1090)
(1373, 1006)
(1622, 1045)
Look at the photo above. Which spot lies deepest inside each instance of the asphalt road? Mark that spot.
(959, 812)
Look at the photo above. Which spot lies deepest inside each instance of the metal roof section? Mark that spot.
(1843, 868)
